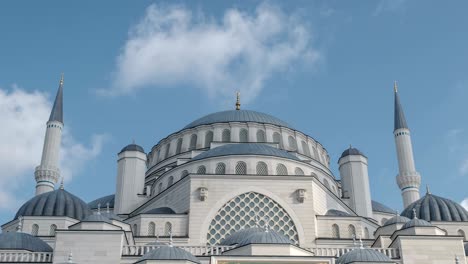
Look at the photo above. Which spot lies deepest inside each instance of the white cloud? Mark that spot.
(172, 46)
(23, 116)
(388, 6)
(464, 203)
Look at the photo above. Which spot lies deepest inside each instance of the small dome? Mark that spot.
(265, 237)
(23, 241)
(398, 219)
(109, 199)
(363, 255)
(133, 147)
(416, 223)
(246, 149)
(334, 212)
(160, 210)
(351, 151)
(379, 207)
(55, 203)
(96, 218)
(237, 116)
(435, 208)
(169, 253)
(240, 235)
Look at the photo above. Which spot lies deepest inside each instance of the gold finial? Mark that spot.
(427, 189)
(61, 80)
(61, 183)
(238, 104)
(395, 86)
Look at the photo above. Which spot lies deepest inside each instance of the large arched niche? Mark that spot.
(239, 212)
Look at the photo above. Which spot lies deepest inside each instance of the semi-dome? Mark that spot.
(133, 147)
(351, 151)
(240, 235)
(379, 207)
(397, 219)
(23, 241)
(160, 210)
(435, 208)
(363, 255)
(416, 223)
(238, 116)
(103, 201)
(55, 203)
(265, 237)
(334, 212)
(246, 149)
(169, 253)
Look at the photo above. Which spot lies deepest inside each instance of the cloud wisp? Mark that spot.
(464, 203)
(173, 46)
(24, 115)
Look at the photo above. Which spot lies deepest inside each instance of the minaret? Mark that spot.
(48, 173)
(408, 178)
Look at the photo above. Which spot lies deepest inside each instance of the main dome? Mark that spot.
(55, 203)
(238, 116)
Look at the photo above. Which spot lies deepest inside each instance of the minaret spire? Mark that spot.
(47, 173)
(408, 179)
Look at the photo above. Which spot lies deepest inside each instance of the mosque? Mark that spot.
(235, 187)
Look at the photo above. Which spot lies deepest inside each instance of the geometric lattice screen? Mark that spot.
(241, 211)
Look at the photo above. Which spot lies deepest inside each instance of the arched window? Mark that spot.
(305, 148)
(281, 169)
(262, 168)
(243, 135)
(193, 142)
(333, 188)
(201, 170)
(277, 139)
(226, 135)
(179, 146)
(316, 155)
(153, 188)
(327, 185)
(241, 168)
(220, 168)
(298, 171)
(160, 187)
(184, 173)
(461, 233)
(151, 229)
(335, 231)
(52, 230)
(366, 233)
(135, 229)
(351, 231)
(170, 181)
(292, 143)
(168, 148)
(34, 230)
(208, 138)
(167, 229)
(261, 136)
(159, 155)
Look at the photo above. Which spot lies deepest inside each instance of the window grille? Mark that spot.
(298, 171)
(335, 231)
(201, 170)
(208, 138)
(179, 146)
(167, 229)
(52, 230)
(262, 168)
(226, 135)
(351, 231)
(243, 136)
(241, 168)
(220, 168)
(240, 213)
(281, 169)
(261, 136)
(34, 230)
(151, 229)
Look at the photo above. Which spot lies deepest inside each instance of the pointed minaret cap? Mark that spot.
(57, 109)
(400, 120)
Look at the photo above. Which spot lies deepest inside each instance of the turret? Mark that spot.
(355, 181)
(408, 179)
(131, 169)
(47, 173)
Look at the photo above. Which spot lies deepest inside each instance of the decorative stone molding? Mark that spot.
(203, 193)
(301, 195)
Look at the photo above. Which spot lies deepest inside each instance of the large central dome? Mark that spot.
(238, 116)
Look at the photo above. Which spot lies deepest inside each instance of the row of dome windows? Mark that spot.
(35, 230)
(351, 232)
(240, 169)
(151, 231)
(243, 138)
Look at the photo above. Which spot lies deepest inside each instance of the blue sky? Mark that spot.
(326, 67)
